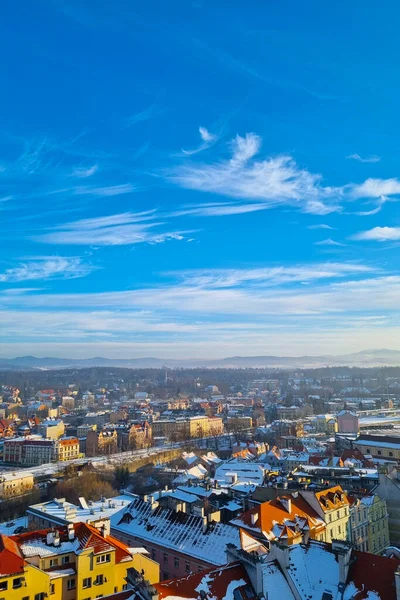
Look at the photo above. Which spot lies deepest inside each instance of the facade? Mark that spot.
(347, 422)
(136, 436)
(101, 443)
(28, 451)
(51, 428)
(34, 450)
(68, 563)
(379, 446)
(15, 484)
(188, 427)
(368, 523)
(67, 449)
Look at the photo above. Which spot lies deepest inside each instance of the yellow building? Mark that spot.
(369, 525)
(15, 484)
(333, 506)
(75, 562)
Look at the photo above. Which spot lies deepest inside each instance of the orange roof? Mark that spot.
(285, 516)
(11, 561)
(332, 498)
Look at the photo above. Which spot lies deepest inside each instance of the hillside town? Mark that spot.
(142, 486)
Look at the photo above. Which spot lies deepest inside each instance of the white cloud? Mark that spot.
(379, 234)
(110, 190)
(376, 188)
(209, 139)
(47, 267)
(84, 172)
(366, 159)
(206, 136)
(328, 242)
(113, 230)
(270, 276)
(320, 226)
(273, 181)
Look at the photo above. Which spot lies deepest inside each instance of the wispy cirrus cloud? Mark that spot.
(84, 172)
(47, 267)
(208, 138)
(113, 230)
(271, 276)
(108, 190)
(372, 158)
(276, 181)
(151, 111)
(378, 234)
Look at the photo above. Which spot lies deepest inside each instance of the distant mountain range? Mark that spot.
(365, 358)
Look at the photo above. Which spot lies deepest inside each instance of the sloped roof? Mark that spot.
(217, 584)
(33, 543)
(176, 530)
(11, 560)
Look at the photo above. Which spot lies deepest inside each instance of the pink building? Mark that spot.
(347, 422)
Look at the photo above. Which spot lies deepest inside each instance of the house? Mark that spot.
(368, 523)
(68, 562)
(295, 518)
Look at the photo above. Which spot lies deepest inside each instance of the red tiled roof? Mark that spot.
(357, 455)
(11, 561)
(215, 580)
(370, 572)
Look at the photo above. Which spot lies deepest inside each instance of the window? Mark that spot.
(187, 566)
(53, 562)
(40, 596)
(165, 558)
(200, 569)
(165, 575)
(3, 586)
(176, 563)
(103, 558)
(339, 529)
(52, 588)
(390, 453)
(153, 554)
(64, 560)
(379, 453)
(17, 582)
(87, 582)
(71, 584)
(125, 586)
(338, 514)
(99, 580)
(368, 451)
(25, 598)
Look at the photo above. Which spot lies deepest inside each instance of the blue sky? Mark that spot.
(199, 178)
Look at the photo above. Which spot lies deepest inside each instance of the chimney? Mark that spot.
(56, 538)
(254, 517)
(50, 538)
(205, 524)
(71, 531)
(397, 580)
(105, 528)
(342, 549)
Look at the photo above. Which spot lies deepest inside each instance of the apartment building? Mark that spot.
(368, 523)
(15, 484)
(35, 450)
(75, 562)
(188, 427)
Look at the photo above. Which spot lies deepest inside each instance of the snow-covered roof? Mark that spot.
(176, 530)
(66, 512)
